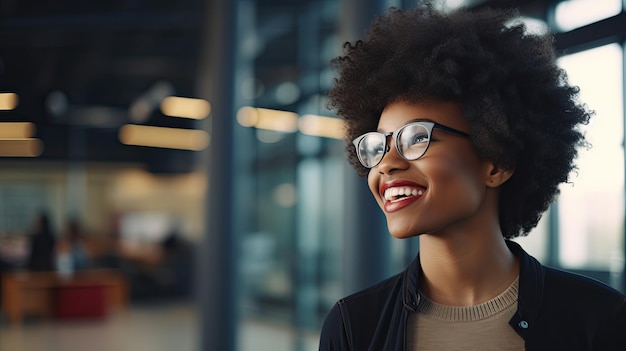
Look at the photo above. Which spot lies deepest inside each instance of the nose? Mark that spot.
(391, 161)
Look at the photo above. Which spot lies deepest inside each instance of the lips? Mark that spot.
(400, 193)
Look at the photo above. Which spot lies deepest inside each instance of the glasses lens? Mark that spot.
(371, 149)
(413, 141)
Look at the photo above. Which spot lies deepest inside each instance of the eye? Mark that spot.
(412, 135)
(374, 147)
(418, 138)
(375, 150)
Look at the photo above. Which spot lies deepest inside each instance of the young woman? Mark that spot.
(465, 127)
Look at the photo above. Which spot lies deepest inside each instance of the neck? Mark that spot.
(467, 268)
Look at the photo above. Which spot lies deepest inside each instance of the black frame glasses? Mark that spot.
(411, 141)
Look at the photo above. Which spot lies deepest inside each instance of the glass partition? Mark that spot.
(591, 207)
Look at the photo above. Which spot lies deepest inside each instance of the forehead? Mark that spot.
(399, 113)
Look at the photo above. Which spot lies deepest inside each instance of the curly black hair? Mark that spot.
(523, 113)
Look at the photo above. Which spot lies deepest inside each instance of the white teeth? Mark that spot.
(392, 194)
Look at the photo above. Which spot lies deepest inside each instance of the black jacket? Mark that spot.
(556, 310)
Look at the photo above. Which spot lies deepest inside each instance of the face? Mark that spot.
(442, 191)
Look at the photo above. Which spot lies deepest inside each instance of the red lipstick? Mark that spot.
(402, 201)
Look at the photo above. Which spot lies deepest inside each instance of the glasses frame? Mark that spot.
(428, 125)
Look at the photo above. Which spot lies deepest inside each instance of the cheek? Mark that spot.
(458, 177)
(372, 182)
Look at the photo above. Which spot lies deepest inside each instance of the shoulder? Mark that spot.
(333, 334)
(582, 303)
(360, 313)
(567, 283)
(581, 299)
(374, 292)
(369, 299)
(557, 289)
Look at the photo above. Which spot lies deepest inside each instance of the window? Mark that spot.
(572, 14)
(591, 208)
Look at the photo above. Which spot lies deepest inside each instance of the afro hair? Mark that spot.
(523, 114)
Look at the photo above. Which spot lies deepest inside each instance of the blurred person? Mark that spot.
(176, 269)
(465, 126)
(72, 252)
(109, 256)
(42, 245)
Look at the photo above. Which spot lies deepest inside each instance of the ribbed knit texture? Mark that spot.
(480, 327)
(469, 313)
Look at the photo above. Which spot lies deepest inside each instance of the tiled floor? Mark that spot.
(155, 328)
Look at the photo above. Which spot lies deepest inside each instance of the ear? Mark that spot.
(496, 176)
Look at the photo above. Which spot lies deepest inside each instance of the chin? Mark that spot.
(405, 236)
(402, 225)
(402, 233)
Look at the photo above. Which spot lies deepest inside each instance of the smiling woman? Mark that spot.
(445, 171)
(465, 126)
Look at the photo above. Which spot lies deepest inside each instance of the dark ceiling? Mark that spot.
(77, 67)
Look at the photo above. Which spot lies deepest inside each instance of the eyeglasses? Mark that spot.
(411, 140)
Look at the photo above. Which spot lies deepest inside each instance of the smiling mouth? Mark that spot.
(396, 194)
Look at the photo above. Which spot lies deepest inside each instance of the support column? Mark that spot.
(366, 244)
(216, 265)
(623, 273)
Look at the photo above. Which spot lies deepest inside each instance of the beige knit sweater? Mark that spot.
(480, 327)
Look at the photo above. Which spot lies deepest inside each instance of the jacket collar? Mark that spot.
(411, 284)
(530, 288)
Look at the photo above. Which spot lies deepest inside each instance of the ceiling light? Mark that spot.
(263, 118)
(12, 130)
(175, 106)
(162, 137)
(21, 147)
(328, 127)
(280, 121)
(247, 116)
(8, 101)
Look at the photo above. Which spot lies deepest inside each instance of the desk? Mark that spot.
(26, 293)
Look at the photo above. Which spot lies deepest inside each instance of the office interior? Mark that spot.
(186, 152)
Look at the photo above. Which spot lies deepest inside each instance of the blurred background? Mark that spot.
(170, 177)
